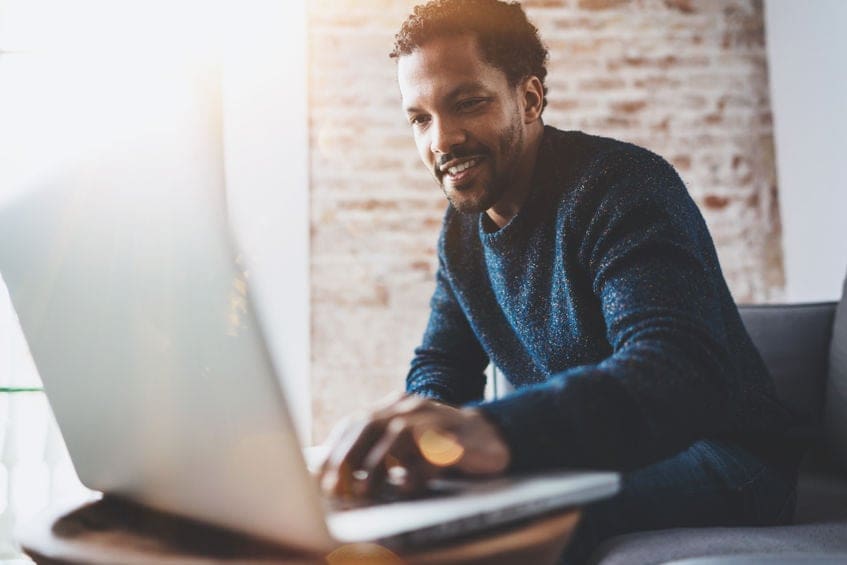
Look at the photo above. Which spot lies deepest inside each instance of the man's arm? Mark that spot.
(670, 378)
(448, 366)
(424, 431)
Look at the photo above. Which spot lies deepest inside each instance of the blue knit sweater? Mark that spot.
(603, 303)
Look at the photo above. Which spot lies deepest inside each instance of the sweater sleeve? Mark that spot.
(646, 252)
(449, 364)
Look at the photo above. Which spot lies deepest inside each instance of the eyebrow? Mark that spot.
(463, 88)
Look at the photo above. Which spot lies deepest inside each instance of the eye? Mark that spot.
(470, 104)
(419, 120)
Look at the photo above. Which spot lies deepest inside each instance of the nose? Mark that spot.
(445, 135)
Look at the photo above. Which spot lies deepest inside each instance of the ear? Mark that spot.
(532, 93)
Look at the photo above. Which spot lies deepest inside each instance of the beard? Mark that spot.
(495, 181)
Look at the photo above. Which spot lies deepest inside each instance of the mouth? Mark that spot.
(460, 171)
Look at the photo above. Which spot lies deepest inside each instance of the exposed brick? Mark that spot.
(712, 119)
(531, 4)
(581, 23)
(370, 205)
(602, 4)
(681, 162)
(629, 107)
(684, 6)
(602, 83)
(715, 202)
(662, 63)
(657, 82)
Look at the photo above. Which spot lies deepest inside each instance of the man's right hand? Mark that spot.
(407, 441)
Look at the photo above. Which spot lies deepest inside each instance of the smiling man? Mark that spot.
(479, 138)
(580, 267)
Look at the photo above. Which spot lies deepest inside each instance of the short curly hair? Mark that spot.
(507, 39)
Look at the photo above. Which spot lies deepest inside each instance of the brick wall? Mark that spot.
(685, 78)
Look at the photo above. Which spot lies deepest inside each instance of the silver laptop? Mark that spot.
(141, 321)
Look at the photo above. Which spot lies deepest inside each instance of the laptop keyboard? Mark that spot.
(390, 493)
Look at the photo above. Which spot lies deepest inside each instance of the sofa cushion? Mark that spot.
(835, 412)
(821, 489)
(768, 559)
(793, 340)
(661, 546)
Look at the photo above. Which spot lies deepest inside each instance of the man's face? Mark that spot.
(466, 118)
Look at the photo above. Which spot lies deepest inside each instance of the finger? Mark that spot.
(331, 473)
(335, 438)
(386, 453)
(403, 405)
(347, 459)
(388, 400)
(415, 475)
(408, 471)
(353, 437)
(420, 470)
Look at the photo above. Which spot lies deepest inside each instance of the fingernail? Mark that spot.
(360, 482)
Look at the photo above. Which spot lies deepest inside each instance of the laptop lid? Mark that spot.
(137, 311)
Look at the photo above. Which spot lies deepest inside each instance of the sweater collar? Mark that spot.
(543, 174)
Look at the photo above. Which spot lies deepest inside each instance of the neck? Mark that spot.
(508, 207)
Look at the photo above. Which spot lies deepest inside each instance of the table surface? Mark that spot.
(110, 531)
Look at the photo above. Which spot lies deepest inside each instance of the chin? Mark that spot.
(468, 205)
(465, 207)
(470, 201)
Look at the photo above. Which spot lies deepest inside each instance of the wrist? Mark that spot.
(489, 441)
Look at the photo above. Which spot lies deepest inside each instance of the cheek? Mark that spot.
(423, 149)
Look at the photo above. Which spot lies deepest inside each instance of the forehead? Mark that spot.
(442, 66)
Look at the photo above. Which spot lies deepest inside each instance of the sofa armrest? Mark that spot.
(794, 341)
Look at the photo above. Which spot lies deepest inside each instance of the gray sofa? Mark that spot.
(805, 347)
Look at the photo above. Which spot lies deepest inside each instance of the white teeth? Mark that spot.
(463, 167)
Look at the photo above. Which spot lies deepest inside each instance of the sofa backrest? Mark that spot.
(835, 410)
(794, 341)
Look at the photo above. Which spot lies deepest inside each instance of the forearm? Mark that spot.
(448, 379)
(448, 365)
(636, 407)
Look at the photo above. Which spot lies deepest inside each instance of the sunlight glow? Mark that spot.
(362, 554)
(440, 448)
(114, 26)
(87, 78)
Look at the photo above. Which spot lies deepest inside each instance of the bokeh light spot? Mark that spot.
(440, 448)
(362, 554)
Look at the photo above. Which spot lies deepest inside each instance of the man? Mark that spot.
(581, 268)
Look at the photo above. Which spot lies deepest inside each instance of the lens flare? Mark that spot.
(440, 448)
(362, 554)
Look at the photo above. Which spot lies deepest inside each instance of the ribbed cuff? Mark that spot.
(531, 425)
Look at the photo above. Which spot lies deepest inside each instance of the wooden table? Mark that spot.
(102, 531)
